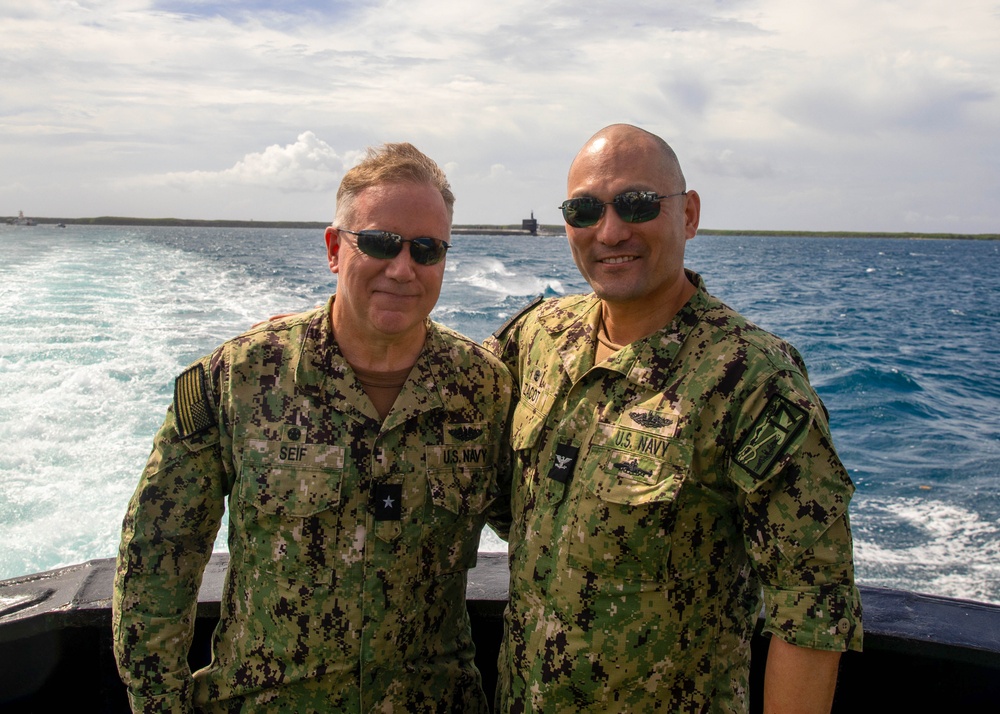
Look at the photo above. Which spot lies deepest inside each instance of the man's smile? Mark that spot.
(618, 259)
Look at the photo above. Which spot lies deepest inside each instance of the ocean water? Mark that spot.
(902, 340)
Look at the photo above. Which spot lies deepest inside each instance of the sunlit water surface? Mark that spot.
(900, 337)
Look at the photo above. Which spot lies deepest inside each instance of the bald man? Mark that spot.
(673, 470)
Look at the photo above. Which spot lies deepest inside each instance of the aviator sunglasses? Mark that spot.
(385, 246)
(631, 207)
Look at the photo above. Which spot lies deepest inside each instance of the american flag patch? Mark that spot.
(192, 409)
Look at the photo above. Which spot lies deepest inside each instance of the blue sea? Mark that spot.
(902, 340)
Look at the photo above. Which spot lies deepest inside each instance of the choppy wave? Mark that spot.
(493, 276)
(928, 545)
(900, 342)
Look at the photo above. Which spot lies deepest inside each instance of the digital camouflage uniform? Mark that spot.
(349, 538)
(654, 497)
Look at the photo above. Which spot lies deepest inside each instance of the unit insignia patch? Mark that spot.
(770, 435)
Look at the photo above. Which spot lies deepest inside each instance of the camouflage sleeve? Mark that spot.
(505, 347)
(499, 516)
(167, 536)
(504, 344)
(795, 516)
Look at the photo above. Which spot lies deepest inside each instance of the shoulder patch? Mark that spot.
(527, 308)
(770, 435)
(192, 407)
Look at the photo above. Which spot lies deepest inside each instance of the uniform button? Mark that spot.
(843, 626)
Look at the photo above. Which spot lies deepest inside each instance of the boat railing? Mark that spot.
(922, 652)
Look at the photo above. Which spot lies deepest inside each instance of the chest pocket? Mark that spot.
(462, 490)
(291, 480)
(621, 505)
(461, 482)
(526, 425)
(289, 502)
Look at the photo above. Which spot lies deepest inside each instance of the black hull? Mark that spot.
(922, 653)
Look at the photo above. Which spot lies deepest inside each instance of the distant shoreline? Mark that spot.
(544, 231)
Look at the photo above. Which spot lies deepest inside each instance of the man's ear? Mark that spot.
(332, 238)
(692, 214)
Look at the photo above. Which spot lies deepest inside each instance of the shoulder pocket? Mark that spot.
(775, 430)
(526, 426)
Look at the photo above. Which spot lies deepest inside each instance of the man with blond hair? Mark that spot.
(357, 447)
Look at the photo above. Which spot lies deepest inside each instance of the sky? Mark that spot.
(845, 115)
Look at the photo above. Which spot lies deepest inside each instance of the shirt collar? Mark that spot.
(572, 324)
(321, 369)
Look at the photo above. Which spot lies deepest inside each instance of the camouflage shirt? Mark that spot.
(349, 537)
(655, 496)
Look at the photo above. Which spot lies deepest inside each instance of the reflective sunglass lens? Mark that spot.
(385, 246)
(582, 212)
(379, 244)
(631, 206)
(635, 207)
(428, 251)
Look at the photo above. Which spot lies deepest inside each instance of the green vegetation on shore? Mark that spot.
(852, 234)
(543, 230)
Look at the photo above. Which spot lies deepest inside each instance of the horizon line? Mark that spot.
(545, 230)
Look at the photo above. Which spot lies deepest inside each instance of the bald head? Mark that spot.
(635, 264)
(625, 140)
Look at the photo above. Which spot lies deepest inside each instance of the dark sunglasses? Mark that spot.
(385, 246)
(631, 206)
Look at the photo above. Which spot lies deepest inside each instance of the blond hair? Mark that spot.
(391, 163)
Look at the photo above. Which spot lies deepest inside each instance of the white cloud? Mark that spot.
(761, 98)
(728, 162)
(308, 165)
(499, 171)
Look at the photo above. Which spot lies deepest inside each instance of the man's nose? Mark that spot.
(611, 229)
(400, 267)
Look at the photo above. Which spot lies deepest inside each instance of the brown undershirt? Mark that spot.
(605, 347)
(382, 387)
